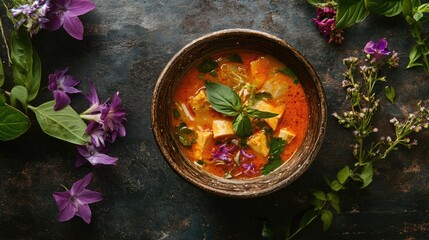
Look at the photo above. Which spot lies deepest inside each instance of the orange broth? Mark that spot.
(294, 118)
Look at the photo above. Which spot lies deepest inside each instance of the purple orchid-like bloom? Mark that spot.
(76, 200)
(97, 134)
(94, 155)
(60, 85)
(112, 116)
(223, 153)
(249, 168)
(65, 13)
(378, 49)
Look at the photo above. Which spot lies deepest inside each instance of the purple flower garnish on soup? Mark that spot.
(377, 48)
(61, 84)
(223, 153)
(65, 13)
(76, 200)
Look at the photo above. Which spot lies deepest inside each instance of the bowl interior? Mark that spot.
(226, 40)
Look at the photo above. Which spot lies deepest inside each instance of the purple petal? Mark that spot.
(88, 196)
(369, 47)
(83, 151)
(79, 7)
(74, 27)
(62, 199)
(80, 161)
(84, 212)
(61, 100)
(92, 97)
(55, 20)
(67, 213)
(382, 44)
(101, 158)
(116, 102)
(52, 86)
(78, 186)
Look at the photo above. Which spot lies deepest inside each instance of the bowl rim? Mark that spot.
(272, 187)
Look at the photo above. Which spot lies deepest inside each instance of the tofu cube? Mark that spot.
(277, 86)
(286, 135)
(199, 102)
(266, 107)
(222, 128)
(203, 137)
(258, 143)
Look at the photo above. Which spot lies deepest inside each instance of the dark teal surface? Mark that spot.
(125, 47)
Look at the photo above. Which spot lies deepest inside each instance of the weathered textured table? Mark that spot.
(126, 45)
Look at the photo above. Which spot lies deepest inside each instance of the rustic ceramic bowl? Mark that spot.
(225, 40)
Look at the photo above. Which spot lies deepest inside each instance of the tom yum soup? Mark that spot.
(240, 114)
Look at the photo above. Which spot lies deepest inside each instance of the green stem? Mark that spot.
(301, 228)
(5, 43)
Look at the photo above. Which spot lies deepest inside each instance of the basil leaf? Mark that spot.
(186, 135)
(19, 92)
(423, 8)
(326, 218)
(366, 175)
(223, 99)
(390, 93)
(260, 114)
(335, 201)
(336, 185)
(287, 71)
(2, 98)
(235, 58)
(1, 73)
(26, 65)
(388, 8)
(277, 146)
(207, 66)
(242, 125)
(343, 174)
(350, 12)
(320, 195)
(13, 123)
(176, 113)
(64, 124)
(414, 56)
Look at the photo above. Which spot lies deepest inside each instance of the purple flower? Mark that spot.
(97, 134)
(94, 155)
(92, 98)
(31, 15)
(249, 168)
(378, 49)
(60, 84)
(326, 20)
(112, 116)
(248, 155)
(75, 201)
(223, 153)
(65, 13)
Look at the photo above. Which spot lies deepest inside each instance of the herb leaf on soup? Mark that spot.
(223, 99)
(207, 66)
(289, 73)
(186, 135)
(235, 58)
(252, 112)
(277, 146)
(242, 125)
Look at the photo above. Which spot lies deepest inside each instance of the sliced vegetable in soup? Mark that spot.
(240, 114)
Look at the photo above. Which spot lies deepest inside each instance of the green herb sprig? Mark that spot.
(359, 118)
(224, 100)
(349, 13)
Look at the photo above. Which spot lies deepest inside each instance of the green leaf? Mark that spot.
(186, 135)
(277, 146)
(223, 99)
(320, 195)
(235, 58)
(176, 113)
(1, 73)
(64, 124)
(287, 71)
(26, 65)
(267, 232)
(242, 125)
(315, 2)
(417, 16)
(19, 92)
(343, 174)
(317, 203)
(207, 66)
(335, 201)
(336, 185)
(350, 12)
(366, 175)
(13, 123)
(2, 98)
(423, 8)
(388, 8)
(326, 218)
(390, 93)
(260, 114)
(414, 56)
